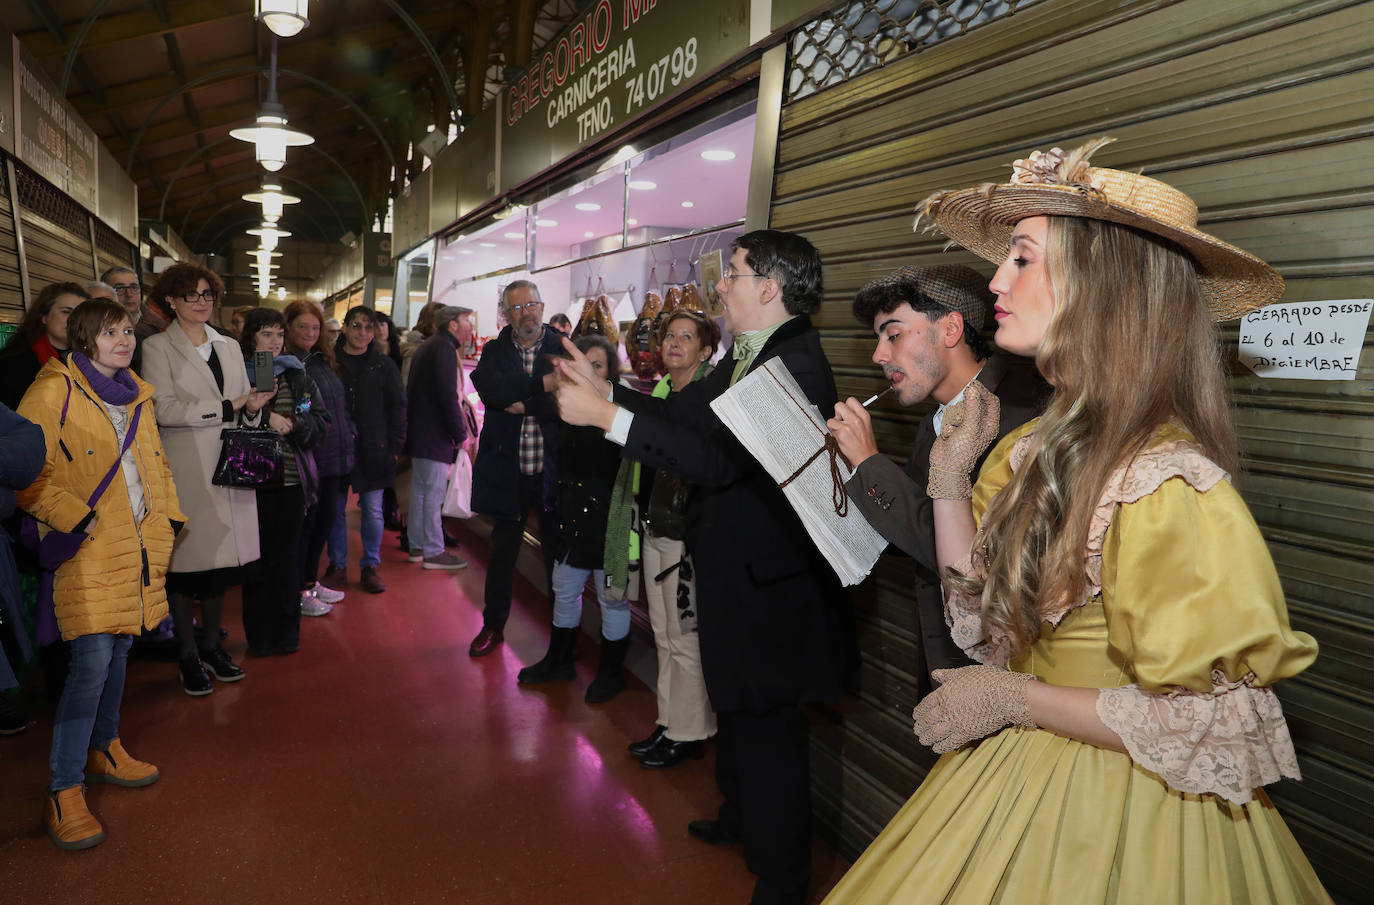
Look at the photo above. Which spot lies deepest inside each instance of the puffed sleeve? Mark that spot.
(1196, 612)
(1188, 587)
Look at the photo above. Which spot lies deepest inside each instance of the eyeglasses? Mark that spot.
(210, 296)
(127, 289)
(361, 325)
(516, 309)
(731, 275)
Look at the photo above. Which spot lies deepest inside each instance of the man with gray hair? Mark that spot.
(927, 321)
(435, 432)
(518, 448)
(100, 290)
(128, 291)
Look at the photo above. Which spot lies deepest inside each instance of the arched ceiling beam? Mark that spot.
(318, 83)
(286, 180)
(416, 32)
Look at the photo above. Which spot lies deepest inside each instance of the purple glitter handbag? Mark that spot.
(249, 457)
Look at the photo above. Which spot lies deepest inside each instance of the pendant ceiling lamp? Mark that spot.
(283, 17)
(269, 134)
(272, 199)
(268, 234)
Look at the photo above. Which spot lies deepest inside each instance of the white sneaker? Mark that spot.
(313, 607)
(326, 595)
(415, 555)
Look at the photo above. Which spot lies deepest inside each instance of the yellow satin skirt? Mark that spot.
(1026, 817)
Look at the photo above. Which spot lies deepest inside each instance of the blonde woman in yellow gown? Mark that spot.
(1113, 745)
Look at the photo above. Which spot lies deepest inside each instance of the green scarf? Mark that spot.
(622, 525)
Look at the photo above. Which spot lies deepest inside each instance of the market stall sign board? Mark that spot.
(621, 59)
(6, 96)
(51, 137)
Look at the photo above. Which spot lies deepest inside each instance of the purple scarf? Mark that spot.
(117, 390)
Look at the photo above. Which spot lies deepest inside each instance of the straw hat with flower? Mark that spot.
(1058, 184)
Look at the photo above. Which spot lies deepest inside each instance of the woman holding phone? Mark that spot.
(201, 388)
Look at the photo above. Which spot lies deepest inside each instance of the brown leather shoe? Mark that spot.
(117, 766)
(69, 822)
(485, 642)
(371, 582)
(334, 577)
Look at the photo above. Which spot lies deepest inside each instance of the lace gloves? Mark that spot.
(971, 702)
(969, 427)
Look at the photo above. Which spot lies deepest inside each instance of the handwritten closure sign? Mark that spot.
(1305, 340)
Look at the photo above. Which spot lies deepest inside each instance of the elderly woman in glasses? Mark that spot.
(202, 387)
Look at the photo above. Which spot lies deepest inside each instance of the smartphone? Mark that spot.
(264, 381)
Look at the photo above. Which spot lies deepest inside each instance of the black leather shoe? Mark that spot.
(195, 681)
(712, 831)
(645, 745)
(485, 642)
(669, 753)
(218, 664)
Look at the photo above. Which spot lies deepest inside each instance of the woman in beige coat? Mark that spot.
(202, 387)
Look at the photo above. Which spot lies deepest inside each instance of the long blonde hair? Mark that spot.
(1130, 346)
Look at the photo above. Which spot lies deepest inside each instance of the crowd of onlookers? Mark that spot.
(125, 540)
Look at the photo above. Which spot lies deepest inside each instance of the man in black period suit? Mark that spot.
(775, 626)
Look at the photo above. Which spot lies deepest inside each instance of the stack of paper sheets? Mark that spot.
(768, 412)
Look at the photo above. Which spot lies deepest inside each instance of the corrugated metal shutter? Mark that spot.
(1261, 111)
(57, 235)
(112, 249)
(11, 293)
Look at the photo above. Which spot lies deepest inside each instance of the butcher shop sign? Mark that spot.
(620, 59)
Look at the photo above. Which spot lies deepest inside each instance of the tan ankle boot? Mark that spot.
(69, 822)
(115, 765)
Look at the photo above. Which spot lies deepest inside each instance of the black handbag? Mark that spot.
(250, 457)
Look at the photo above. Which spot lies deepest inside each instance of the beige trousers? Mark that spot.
(683, 706)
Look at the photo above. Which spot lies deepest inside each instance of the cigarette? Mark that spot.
(876, 396)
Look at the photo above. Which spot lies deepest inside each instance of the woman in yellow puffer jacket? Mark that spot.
(113, 586)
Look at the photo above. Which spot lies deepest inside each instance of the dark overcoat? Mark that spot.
(436, 427)
(376, 402)
(500, 380)
(775, 626)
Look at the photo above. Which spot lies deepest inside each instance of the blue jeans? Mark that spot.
(370, 502)
(88, 712)
(425, 522)
(568, 582)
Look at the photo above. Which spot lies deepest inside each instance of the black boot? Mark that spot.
(557, 663)
(610, 672)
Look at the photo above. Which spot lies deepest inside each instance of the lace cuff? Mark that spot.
(964, 616)
(1228, 742)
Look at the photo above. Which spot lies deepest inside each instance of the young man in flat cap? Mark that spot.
(927, 321)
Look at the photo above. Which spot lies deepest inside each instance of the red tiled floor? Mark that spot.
(382, 765)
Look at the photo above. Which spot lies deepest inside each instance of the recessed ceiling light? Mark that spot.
(688, 204)
(589, 234)
(546, 222)
(488, 244)
(643, 184)
(717, 154)
(465, 251)
(633, 222)
(514, 235)
(587, 206)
